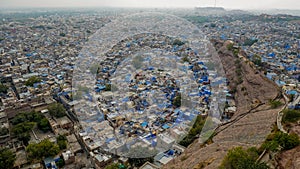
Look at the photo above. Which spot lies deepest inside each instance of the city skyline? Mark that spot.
(229, 4)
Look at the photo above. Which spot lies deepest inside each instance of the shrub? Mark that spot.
(3, 88)
(230, 46)
(275, 104)
(291, 116)
(238, 158)
(32, 80)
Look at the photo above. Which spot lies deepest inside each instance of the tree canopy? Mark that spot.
(22, 130)
(41, 150)
(27, 117)
(7, 158)
(3, 88)
(62, 142)
(57, 110)
(32, 80)
(44, 125)
(279, 139)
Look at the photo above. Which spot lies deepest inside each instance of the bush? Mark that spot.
(32, 80)
(275, 104)
(287, 141)
(3, 88)
(279, 139)
(238, 158)
(291, 116)
(230, 46)
(185, 59)
(257, 60)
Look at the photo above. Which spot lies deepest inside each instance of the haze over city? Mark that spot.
(231, 4)
(139, 84)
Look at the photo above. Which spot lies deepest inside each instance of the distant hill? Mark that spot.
(206, 11)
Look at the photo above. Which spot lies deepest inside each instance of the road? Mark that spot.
(280, 114)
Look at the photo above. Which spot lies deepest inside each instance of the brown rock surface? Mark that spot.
(289, 159)
(251, 123)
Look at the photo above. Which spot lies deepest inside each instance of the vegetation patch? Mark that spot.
(195, 130)
(239, 158)
(32, 80)
(275, 104)
(42, 150)
(57, 110)
(7, 158)
(291, 116)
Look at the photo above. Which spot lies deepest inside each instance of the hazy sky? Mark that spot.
(232, 4)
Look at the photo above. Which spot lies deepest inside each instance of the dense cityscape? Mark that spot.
(133, 114)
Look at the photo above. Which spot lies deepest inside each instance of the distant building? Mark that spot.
(68, 157)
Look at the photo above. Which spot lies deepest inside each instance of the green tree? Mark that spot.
(257, 60)
(57, 110)
(279, 139)
(287, 141)
(20, 118)
(238, 158)
(60, 163)
(196, 129)
(41, 150)
(44, 125)
(22, 130)
(32, 80)
(27, 117)
(177, 101)
(112, 166)
(7, 158)
(62, 142)
(3, 88)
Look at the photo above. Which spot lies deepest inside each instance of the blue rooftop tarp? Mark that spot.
(144, 124)
(291, 92)
(165, 126)
(170, 152)
(271, 54)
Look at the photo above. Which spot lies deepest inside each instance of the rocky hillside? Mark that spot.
(250, 124)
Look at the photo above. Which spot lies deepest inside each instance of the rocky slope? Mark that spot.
(250, 124)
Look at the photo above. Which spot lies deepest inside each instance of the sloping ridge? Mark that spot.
(250, 124)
